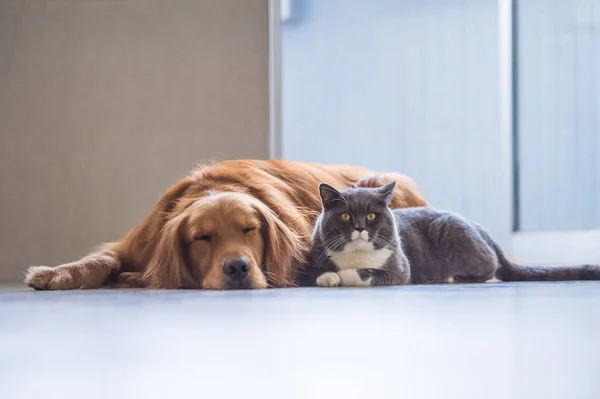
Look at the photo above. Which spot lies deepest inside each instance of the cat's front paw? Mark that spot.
(351, 278)
(328, 279)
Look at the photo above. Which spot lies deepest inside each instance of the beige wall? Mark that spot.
(105, 103)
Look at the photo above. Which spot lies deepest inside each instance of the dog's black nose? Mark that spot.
(237, 268)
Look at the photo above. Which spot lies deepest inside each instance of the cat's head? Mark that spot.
(356, 218)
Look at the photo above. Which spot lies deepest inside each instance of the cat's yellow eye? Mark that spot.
(345, 217)
(371, 217)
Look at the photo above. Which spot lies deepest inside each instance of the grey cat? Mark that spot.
(359, 241)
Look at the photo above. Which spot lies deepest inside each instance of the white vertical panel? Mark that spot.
(404, 85)
(558, 133)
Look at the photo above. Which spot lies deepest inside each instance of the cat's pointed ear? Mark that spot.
(328, 195)
(387, 192)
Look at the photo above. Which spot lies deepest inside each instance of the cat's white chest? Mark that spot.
(363, 259)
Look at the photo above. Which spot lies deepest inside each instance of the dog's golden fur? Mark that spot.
(261, 210)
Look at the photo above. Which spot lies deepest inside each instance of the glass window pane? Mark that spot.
(558, 128)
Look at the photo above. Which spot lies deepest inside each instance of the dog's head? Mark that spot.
(226, 240)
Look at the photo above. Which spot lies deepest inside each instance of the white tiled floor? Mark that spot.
(457, 341)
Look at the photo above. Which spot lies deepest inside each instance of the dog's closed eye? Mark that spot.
(203, 237)
(248, 229)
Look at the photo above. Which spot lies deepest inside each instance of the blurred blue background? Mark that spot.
(415, 86)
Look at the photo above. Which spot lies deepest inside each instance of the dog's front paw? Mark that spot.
(328, 279)
(351, 278)
(51, 278)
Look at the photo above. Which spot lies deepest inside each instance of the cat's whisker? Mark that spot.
(334, 245)
(334, 241)
(382, 242)
(337, 247)
(331, 244)
(377, 240)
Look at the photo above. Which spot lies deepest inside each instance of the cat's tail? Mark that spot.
(510, 271)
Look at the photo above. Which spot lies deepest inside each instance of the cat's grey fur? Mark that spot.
(411, 245)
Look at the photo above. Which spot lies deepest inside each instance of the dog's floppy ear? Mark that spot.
(167, 267)
(284, 248)
(142, 240)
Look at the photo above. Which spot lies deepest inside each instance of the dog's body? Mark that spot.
(234, 224)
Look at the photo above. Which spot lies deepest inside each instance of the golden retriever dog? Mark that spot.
(230, 225)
